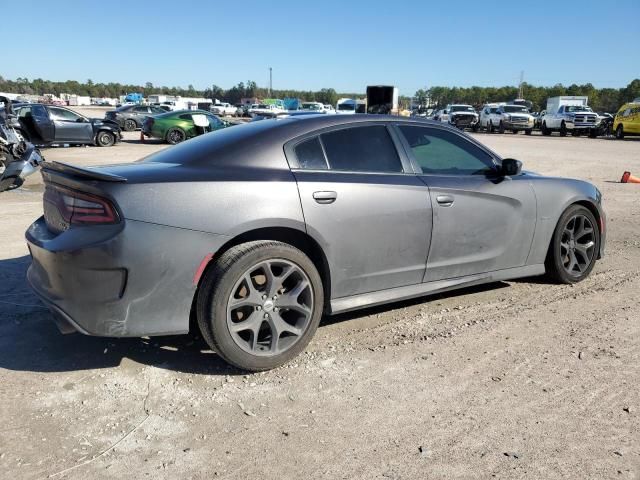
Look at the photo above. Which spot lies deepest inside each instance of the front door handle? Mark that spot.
(325, 197)
(445, 200)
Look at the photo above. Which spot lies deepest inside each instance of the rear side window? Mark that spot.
(186, 116)
(310, 155)
(441, 152)
(361, 149)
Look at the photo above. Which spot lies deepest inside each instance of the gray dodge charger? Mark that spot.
(256, 231)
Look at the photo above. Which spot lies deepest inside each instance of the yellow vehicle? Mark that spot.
(627, 121)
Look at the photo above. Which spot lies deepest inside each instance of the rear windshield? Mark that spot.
(347, 106)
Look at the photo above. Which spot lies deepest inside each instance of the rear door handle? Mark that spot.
(325, 197)
(445, 200)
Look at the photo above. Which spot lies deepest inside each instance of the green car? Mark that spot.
(178, 126)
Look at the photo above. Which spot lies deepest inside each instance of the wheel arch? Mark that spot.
(291, 236)
(591, 206)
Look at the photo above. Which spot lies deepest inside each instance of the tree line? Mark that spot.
(600, 99)
(232, 95)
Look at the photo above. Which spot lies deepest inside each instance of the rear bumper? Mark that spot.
(127, 280)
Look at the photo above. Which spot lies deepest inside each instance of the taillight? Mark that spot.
(78, 208)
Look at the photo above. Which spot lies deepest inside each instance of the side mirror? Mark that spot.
(511, 167)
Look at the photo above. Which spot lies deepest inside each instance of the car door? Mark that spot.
(481, 222)
(70, 126)
(364, 205)
(139, 113)
(35, 120)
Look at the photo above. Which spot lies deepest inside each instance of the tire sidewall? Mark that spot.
(127, 125)
(217, 288)
(556, 258)
(175, 129)
(107, 144)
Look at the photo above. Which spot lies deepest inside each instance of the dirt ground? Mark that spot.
(519, 379)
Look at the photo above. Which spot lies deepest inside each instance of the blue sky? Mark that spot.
(315, 44)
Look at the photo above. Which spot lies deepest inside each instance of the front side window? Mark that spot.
(310, 155)
(361, 149)
(64, 115)
(441, 152)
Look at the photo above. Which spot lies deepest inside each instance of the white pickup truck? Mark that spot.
(223, 109)
(569, 114)
(261, 109)
(507, 117)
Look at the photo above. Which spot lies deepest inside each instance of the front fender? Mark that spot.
(553, 196)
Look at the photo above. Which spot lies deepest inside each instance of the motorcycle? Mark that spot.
(18, 158)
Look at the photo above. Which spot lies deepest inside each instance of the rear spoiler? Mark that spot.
(86, 173)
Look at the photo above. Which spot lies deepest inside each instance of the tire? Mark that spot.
(490, 127)
(130, 125)
(563, 130)
(564, 245)
(226, 278)
(593, 133)
(105, 139)
(515, 132)
(620, 132)
(501, 127)
(545, 131)
(474, 128)
(528, 132)
(175, 136)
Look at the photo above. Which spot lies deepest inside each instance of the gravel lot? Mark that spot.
(519, 379)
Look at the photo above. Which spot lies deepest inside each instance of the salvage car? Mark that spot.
(463, 116)
(254, 232)
(627, 120)
(176, 127)
(46, 125)
(131, 117)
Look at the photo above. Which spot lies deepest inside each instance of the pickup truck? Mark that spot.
(264, 109)
(510, 117)
(223, 109)
(569, 114)
(462, 116)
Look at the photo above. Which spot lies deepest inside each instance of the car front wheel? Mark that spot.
(574, 246)
(105, 139)
(620, 132)
(259, 304)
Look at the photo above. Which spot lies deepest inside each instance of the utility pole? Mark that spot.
(520, 88)
(270, 81)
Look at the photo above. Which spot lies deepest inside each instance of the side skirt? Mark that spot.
(345, 304)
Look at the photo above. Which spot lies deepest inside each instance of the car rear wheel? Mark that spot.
(527, 132)
(545, 131)
(501, 127)
(130, 125)
(105, 139)
(260, 304)
(620, 132)
(574, 246)
(515, 132)
(175, 135)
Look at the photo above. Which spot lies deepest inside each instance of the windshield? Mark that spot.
(515, 108)
(311, 106)
(578, 108)
(461, 108)
(347, 106)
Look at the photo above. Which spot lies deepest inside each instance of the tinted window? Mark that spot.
(186, 116)
(213, 120)
(441, 152)
(361, 149)
(141, 110)
(309, 154)
(62, 114)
